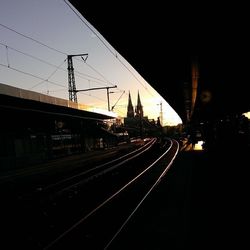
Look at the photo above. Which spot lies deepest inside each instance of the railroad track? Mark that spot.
(99, 228)
(56, 211)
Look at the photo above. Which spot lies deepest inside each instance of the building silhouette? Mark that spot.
(130, 109)
(139, 107)
(136, 123)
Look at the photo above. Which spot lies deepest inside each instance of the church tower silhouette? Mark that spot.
(130, 110)
(139, 107)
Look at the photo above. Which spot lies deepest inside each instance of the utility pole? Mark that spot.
(71, 77)
(108, 97)
(107, 88)
(161, 114)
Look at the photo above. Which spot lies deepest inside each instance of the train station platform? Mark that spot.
(201, 203)
(36, 128)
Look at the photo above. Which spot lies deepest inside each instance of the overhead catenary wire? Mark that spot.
(48, 63)
(51, 48)
(29, 74)
(28, 55)
(34, 40)
(43, 80)
(117, 100)
(98, 73)
(49, 75)
(80, 74)
(47, 79)
(105, 44)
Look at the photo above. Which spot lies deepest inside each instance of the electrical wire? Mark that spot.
(41, 60)
(51, 48)
(29, 74)
(104, 43)
(46, 80)
(34, 40)
(49, 75)
(99, 73)
(88, 26)
(118, 100)
(52, 65)
(28, 55)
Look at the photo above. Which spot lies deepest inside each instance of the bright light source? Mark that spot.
(198, 145)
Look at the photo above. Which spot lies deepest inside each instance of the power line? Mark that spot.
(28, 55)
(88, 26)
(50, 64)
(49, 75)
(117, 100)
(98, 73)
(44, 80)
(47, 46)
(29, 74)
(106, 82)
(43, 61)
(104, 43)
(34, 40)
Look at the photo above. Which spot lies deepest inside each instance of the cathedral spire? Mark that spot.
(139, 107)
(130, 110)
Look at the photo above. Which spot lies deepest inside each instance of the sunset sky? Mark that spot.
(35, 38)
